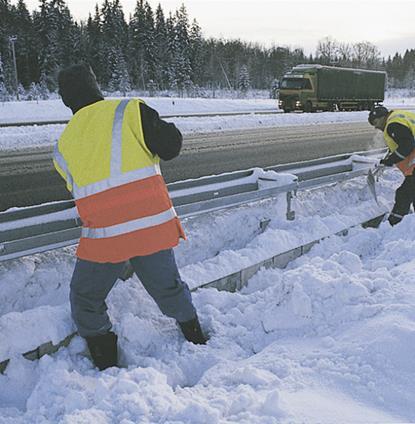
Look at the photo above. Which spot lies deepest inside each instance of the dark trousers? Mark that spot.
(404, 197)
(91, 283)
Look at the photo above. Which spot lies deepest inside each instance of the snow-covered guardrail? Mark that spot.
(37, 229)
(24, 228)
(40, 228)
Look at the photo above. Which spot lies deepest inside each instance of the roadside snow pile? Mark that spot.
(329, 339)
(14, 138)
(50, 110)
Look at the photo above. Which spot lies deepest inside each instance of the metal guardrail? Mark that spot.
(234, 187)
(45, 227)
(176, 115)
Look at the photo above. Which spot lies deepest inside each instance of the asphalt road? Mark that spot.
(28, 178)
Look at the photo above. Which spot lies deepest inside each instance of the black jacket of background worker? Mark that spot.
(401, 133)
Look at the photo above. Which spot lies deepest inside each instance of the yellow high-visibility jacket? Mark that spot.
(407, 119)
(116, 182)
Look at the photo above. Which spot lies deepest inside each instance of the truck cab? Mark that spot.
(297, 92)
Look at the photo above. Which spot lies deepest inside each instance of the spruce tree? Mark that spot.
(149, 43)
(44, 87)
(94, 44)
(47, 27)
(25, 45)
(21, 91)
(68, 35)
(197, 56)
(120, 80)
(170, 72)
(162, 59)
(2, 79)
(114, 37)
(33, 92)
(244, 81)
(5, 22)
(143, 44)
(181, 50)
(4, 96)
(136, 44)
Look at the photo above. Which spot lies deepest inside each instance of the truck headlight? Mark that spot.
(298, 103)
(280, 102)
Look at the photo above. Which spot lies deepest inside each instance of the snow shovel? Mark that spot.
(371, 182)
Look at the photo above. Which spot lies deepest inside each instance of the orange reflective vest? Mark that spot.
(116, 182)
(407, 164)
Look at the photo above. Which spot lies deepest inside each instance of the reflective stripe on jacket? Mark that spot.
(116, 182)
(407, 165)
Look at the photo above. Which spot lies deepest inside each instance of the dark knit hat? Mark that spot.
(78, 86)
(377, 112)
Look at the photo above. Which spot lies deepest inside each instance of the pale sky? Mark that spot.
(389, 24)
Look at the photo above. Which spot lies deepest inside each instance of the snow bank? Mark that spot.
(15, 138)
(329, 339)
(49, 110)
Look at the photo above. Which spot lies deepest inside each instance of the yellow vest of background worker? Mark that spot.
(407, 119)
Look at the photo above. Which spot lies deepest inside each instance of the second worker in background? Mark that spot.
(398, 128)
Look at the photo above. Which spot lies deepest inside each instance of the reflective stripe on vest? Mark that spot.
(130, 226)
(115, 181)
(63, 166)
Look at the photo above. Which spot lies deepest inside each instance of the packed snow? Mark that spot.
(328, 339)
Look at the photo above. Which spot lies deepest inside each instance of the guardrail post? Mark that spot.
(290, 213)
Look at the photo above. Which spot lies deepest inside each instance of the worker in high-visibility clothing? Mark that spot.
(398, 128)
(109, 156)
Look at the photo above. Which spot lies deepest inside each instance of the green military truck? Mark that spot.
(317, 87)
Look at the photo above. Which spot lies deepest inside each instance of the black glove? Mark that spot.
(386, 161)
(393, 219)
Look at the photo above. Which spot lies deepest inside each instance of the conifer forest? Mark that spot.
(155, 51)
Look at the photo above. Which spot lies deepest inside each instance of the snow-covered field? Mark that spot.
(36, 136)
(48, 110)
(329, 339)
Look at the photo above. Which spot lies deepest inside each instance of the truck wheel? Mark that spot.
(308, 107)
(333, 107)
(286, 110)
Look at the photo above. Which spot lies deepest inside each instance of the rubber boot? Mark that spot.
(103, 349)
(192, 331)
